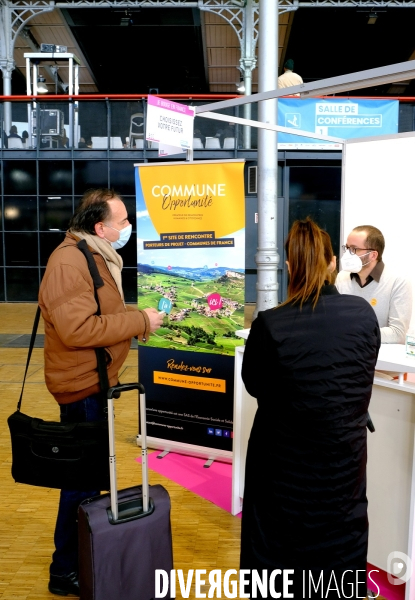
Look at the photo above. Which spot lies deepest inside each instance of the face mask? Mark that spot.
(125, 235)
(352, 263)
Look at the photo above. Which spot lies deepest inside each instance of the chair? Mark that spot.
(212, 143)
(99, 142)
(197, 143)
(229, 142)
(116, 142)
(136, 127)
(14, 143)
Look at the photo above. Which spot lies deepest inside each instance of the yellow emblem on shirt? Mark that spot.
(373, 302)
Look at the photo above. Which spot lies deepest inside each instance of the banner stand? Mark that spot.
(191, 266)
(187, 449)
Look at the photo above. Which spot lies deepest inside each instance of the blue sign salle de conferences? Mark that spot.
(342, 118)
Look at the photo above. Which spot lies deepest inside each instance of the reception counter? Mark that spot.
(391, 464)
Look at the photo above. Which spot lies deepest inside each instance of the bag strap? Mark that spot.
(92, 266)
(100, 352)
(98, 283)
(29, 354)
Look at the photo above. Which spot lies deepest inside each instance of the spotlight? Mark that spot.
(372, 18)
(41, 86)
(241, 86)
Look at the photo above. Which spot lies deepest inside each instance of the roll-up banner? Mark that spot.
(191, 265)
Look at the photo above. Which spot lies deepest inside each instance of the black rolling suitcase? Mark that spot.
(124, 536)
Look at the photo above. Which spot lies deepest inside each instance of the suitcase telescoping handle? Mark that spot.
(113, 473)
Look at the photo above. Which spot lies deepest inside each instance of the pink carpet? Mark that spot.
(213, 484)
(386, 589)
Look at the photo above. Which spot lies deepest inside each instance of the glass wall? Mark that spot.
(52, 154)
(38, 200)
(314, 191)
(105, 124)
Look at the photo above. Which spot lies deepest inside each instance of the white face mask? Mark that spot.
(125, 235)
(352, 263)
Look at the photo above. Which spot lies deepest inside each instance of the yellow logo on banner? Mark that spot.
(195, 197)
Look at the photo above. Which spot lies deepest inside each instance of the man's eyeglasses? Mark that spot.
(353, 249)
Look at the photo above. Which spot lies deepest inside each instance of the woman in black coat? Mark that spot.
(310, 364)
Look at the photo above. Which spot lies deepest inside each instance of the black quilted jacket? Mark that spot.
(311, 371)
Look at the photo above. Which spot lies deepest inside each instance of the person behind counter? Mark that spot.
(364, 274)
(310, 363)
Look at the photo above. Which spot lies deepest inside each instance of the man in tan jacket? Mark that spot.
(72, 332)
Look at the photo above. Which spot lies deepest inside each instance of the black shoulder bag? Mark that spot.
(62, 455)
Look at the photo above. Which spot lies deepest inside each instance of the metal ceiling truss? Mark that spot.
(351, 3)
(242, 16)
(15, 15)
(127, 4)
(222, 5)
(233, 12)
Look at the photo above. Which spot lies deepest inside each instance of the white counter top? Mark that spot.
(392, 357)
(243, 333)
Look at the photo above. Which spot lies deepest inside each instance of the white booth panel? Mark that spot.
(389, 470)
(378, 189)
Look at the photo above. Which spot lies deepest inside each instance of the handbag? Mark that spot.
(72, 456)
